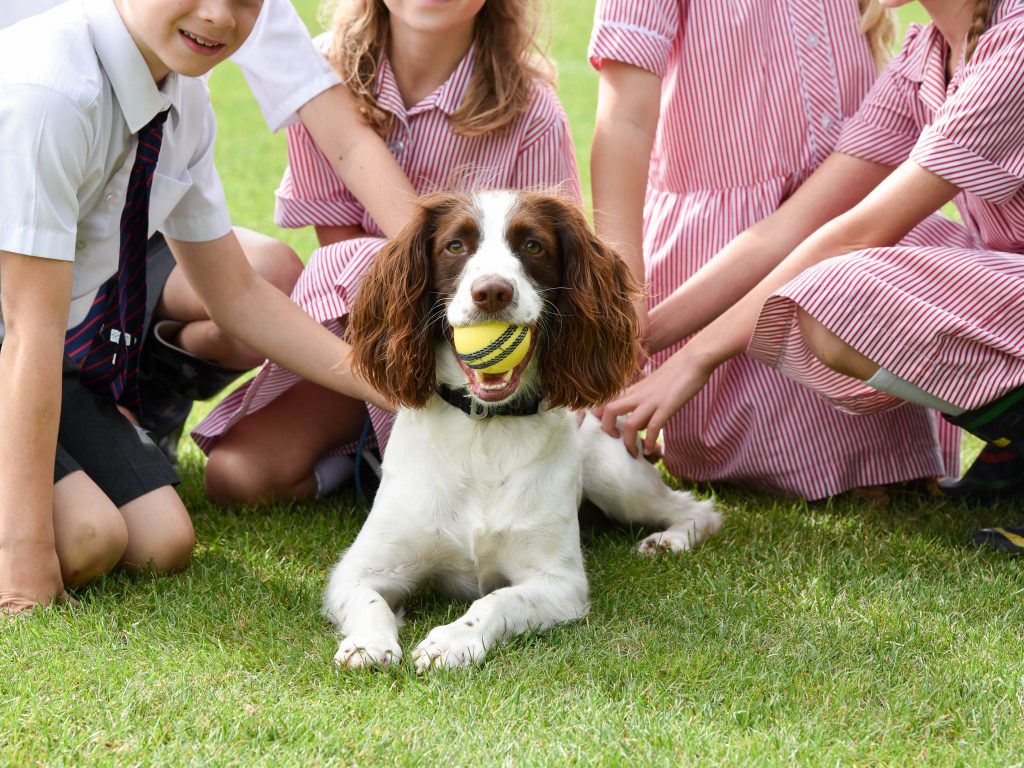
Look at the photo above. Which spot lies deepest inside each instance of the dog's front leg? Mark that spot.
(539, 601)
(360, 599)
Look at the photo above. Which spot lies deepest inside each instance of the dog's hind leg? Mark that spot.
(633, 491)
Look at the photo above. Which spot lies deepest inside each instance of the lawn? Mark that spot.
(835, 633)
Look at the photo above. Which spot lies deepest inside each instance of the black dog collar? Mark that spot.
(475, 409)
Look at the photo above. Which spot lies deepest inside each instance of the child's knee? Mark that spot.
(233, 477)
(160, 533)
(91, 536)
(278, 264)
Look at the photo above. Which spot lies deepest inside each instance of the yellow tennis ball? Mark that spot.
(492, 347)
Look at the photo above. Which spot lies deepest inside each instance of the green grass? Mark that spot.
(818, 634)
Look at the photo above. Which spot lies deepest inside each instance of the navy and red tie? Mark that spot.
(106, 344)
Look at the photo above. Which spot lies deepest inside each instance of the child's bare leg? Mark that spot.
(160, 534)
(270, 454)
(89, 532)
(276, 262)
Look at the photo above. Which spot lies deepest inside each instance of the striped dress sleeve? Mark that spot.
(884, 129)
(311, 192)
(637, 32)
(977, 139)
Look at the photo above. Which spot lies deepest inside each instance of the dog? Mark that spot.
(483, 475)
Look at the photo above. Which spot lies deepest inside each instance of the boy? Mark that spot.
(91, 93)
(184, 355)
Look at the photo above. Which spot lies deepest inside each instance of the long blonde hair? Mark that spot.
(878, 25)
(507, 61)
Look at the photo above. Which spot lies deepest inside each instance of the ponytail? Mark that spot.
(979, 23)
(878, 26)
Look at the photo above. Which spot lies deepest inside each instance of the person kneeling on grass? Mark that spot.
(878, 305)
(105, 137)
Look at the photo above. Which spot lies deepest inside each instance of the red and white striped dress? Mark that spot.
(534, 152)
(753, 98)
(947, 316)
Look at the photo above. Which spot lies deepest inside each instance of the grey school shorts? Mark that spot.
(97, 438)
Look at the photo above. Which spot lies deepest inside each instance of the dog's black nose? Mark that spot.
(492, 293)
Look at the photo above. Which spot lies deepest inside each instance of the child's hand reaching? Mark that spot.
(29, 576)
(651, 402)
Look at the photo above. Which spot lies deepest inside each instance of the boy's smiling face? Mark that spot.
(188, 36)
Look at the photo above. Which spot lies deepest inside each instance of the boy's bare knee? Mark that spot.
(160, 533)
(91, 536)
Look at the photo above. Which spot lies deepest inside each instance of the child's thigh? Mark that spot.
(287, 437)
(274, 261)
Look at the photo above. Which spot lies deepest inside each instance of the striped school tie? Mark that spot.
(106, 344)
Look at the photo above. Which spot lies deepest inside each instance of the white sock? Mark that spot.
(332, 472)
(884, 381)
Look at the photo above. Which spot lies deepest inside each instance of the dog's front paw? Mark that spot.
(449, 647)
(358, 651)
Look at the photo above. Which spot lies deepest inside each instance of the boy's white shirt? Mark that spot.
(74, 91)
(281, 66)
(90, 234)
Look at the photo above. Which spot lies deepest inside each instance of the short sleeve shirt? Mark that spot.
(279, 62)
(74, 92)
(969, 131)
(534, 152)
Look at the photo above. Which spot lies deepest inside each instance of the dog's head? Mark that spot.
(519, 257)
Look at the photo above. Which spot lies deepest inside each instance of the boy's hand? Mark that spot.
(29, 576)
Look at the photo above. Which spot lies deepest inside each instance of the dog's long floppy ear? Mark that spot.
(389, 322)
(589, 352)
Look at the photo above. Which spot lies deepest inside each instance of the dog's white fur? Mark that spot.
(487, 509)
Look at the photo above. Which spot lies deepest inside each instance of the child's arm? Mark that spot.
(361, 158)
(897, 205)
(628, 105)
(836, 186)
(35, 297)
(250, 309)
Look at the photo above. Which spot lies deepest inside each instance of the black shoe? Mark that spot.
(191, 376)
(996, 473)
(1000, 422)
(170, 379)
(1004, 539)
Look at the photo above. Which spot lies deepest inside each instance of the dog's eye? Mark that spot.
(455, 246)
(532, 247)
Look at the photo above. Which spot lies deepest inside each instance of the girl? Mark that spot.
(461, 97)
(886, 319)
(740, 103)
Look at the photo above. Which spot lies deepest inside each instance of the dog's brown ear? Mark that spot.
(389, 322)
(589, 352)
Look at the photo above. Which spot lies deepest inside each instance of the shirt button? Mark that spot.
(397, 146)
(813, 40)
(827, 123)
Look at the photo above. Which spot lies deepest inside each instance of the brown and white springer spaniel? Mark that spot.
(483, 474)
